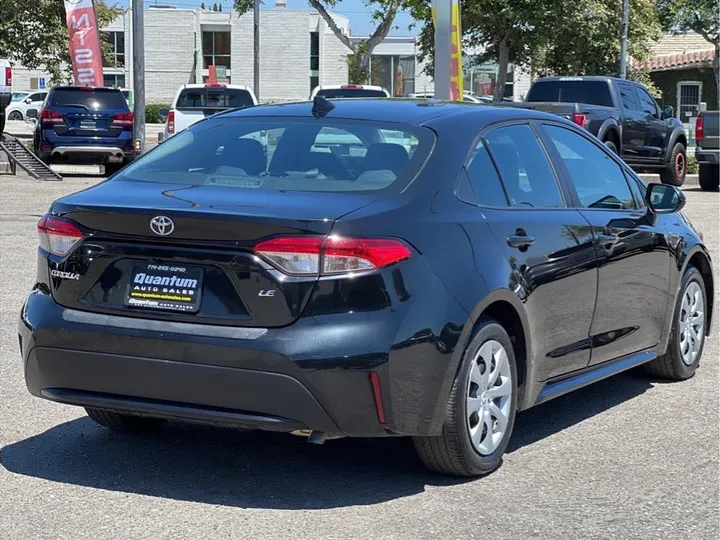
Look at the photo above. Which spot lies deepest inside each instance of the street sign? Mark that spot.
(220, 72)
(41, 83)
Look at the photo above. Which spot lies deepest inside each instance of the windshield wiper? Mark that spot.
(78, 105)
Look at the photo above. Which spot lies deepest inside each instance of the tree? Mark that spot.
(700, 16)
(383, 12)
(35, 34)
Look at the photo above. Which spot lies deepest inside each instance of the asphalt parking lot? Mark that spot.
(626, 458)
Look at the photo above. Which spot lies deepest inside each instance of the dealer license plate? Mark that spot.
(165, 288)
(88, 124)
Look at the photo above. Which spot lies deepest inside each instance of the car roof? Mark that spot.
(601, 78)
(402, 111)
(349, 87)
(74, 86)
(205, 85)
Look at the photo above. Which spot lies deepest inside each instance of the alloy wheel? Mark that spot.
(691, 323)
(489, 397)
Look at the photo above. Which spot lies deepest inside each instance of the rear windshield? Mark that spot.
(288, 154)
(211, 98)
(91, 99)
(590, 92)
(350, 93)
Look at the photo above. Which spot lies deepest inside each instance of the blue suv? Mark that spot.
(80, 124)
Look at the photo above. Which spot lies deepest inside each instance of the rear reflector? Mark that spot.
(58, 236)
(171, 122)
(304, 255)
(377, 396)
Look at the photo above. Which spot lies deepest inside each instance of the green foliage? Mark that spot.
(35, 34)
(152, 113)
(692, 164)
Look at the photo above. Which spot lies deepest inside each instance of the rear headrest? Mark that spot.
(245, 154)
(386, 156)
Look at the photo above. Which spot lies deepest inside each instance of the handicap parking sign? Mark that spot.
(41, 83)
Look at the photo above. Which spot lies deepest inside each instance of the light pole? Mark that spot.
(256, 48)
(138, 52)
(443, 23)
(624, 39)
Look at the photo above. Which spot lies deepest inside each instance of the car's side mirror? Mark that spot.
(164, 113)
(664, 199)
(28, 101)
(668, 112)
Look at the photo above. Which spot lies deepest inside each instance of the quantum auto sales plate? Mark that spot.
(166, 288)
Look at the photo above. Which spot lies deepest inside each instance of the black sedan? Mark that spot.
(364, 268)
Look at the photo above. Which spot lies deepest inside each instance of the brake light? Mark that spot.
(49, 117)
(122, 120)
(215, 85)
(303, 255)
(171, 121)
(8, 76)
(351, 86)
(699, 131)
(580, 119)
(58, 236)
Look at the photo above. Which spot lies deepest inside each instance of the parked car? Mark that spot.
(238, 275)
(623, 115)
(349, 91)
(17, 110)
(194, 102)
(5, 90)
(467, 98)
(80, 124)
(707, 153)
(19, 95)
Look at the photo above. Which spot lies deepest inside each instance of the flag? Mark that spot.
(85, 51)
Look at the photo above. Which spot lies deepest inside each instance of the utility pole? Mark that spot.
(443, 22)
(256, 48)
(624, 39)
(138, 52)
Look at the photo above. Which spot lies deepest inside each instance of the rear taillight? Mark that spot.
(49, 117)
(333, 255)
(699, 131)
(58, 236)
(8, 76)
(351, 86)
(580, 119)
(171, 122)
(123, 120)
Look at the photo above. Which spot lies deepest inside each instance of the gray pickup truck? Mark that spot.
(707, 153)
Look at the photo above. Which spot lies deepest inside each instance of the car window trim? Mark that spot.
(564, 191)
(568, 178)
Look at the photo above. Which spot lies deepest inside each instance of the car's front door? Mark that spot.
(548, 246)
(633, 256)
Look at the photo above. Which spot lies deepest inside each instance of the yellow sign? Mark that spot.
(456, 67)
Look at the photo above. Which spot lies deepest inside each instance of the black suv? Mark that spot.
(623, 115)
(82, 124)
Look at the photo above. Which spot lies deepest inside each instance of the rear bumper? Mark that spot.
(313, 374)
(105, 153)
(711, 157)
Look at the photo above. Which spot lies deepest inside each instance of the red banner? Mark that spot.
(85, 51)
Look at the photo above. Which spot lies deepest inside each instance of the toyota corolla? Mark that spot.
(363, 268)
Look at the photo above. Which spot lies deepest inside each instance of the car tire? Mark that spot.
(676, 169)
(15, 115)
(112, 168)
(709, 177)
(676, 364)
(611, 146)
(125, 423)
(464, 447)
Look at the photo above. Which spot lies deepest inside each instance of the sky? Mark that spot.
(355, 10)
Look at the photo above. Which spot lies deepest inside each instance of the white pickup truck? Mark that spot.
(5, 89)
(193, 102)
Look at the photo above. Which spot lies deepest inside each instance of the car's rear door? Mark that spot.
(547, 245)
(633, 123)
(633, 256)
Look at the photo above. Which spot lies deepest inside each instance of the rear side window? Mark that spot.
(484, 178)
(598, 180)
(647, 103)
(350, 93)
(524, 167)
(590, 92)
(209, 98)
(90, 99)
(289, 154)
(627, 94)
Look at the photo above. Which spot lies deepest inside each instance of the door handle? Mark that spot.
(608, 240)
(520, 240)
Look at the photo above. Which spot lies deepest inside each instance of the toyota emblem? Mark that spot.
(162, 225)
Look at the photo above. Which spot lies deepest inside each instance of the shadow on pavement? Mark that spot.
(267, 470)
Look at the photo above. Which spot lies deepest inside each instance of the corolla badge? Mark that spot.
(162, 225)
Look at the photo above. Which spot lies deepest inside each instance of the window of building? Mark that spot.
(314, 60)
(525, 169)
(394, 73)
(480, 79)
(114, 80)
(216, 49)
(606, 187)
(116, 56)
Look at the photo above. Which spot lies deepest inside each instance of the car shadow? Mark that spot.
(267, 470)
